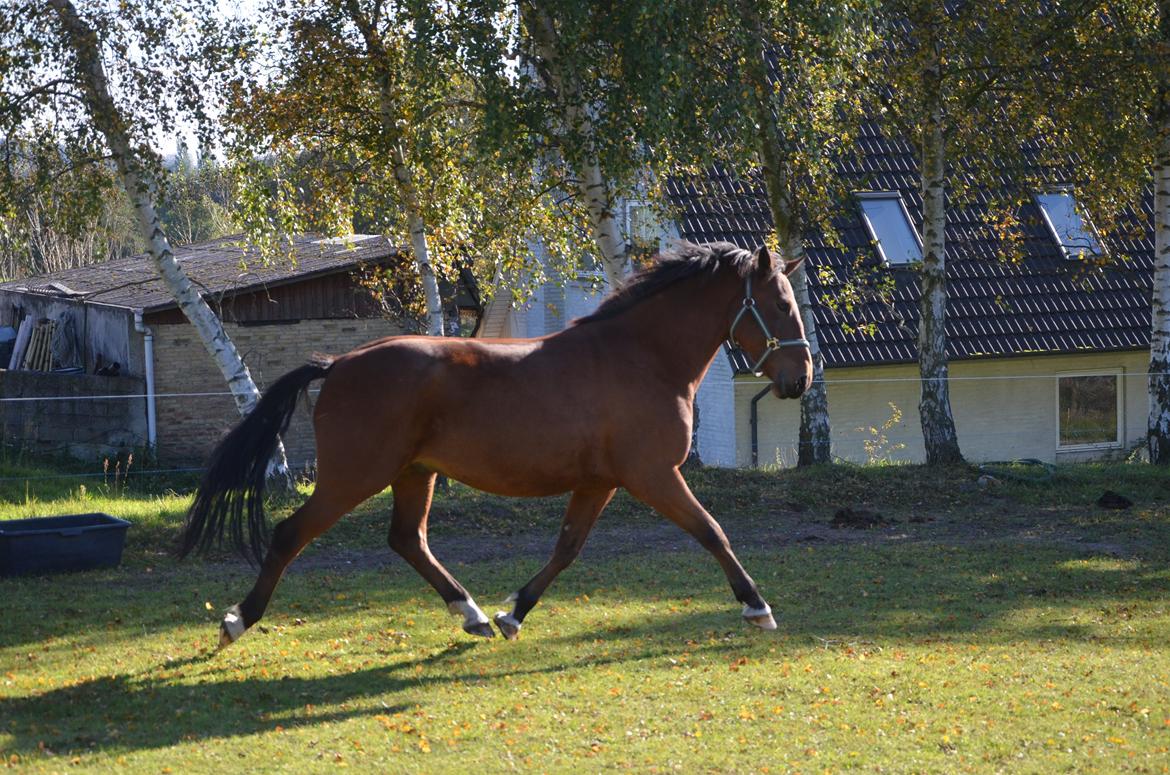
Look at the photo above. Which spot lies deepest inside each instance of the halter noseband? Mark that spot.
(771, 343)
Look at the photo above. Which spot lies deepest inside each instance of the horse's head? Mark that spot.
(766, 324)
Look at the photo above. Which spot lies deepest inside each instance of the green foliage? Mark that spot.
(1033, 95)
(769, 92)
(50, 228)
(197, 200)
(61, 202)
(1105, 105)
(336, 99)
(877, 444)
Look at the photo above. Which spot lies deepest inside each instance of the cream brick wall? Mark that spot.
(1004, 409)
(190, 425)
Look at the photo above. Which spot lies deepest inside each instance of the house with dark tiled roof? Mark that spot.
(1048, 353)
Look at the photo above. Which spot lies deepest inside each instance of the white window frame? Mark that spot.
(873, 235)
(1119, 375)
(628, 222)
(593, 275)
(1085, 221)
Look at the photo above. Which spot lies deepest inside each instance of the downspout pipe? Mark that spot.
(755, 422)
(148, 357)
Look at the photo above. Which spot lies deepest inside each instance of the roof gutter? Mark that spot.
(148, 357)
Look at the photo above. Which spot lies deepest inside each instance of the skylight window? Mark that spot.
(889, 227)
(1073, 233)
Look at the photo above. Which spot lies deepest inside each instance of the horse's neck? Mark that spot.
(679, 330)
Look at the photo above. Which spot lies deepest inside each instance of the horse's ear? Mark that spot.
(792, 266)
(764, 260)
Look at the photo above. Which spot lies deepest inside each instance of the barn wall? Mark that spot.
(190, 425)
(101, 330)
(80, 416)
(331, 296)
(1004, 409)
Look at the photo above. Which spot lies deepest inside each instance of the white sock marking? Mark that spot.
(760, 617)
(232, 626)
(469, 611)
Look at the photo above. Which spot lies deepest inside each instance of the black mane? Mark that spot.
(683, 260)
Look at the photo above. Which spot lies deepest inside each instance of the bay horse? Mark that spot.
(606, 403)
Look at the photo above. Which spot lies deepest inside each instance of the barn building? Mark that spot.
(105, 347)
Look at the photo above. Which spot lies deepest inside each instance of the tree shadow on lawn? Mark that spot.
(124, 713)
(889, 591)
(900, 593)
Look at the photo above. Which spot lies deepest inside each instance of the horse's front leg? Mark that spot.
(321, 511)
(408, 536)
(585, 506)
(668, 494)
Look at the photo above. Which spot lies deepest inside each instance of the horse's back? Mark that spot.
(520, 417)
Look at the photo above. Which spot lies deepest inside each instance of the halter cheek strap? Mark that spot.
(771, 343)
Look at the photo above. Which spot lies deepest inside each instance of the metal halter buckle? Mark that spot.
(771, 343)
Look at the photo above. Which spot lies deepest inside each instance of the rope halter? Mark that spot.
(771, 343)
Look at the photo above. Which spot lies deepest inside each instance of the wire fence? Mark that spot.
(829, 382)
(865, 424)
(103, 474)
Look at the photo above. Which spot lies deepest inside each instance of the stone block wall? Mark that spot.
(78, 415)
(194, 411)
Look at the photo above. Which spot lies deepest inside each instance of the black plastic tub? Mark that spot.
(68, 543)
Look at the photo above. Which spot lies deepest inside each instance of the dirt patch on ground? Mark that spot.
(995, 520)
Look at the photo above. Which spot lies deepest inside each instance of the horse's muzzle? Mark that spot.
(793, 388)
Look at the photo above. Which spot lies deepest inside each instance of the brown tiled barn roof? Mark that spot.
(1045, 303)
(222, 267)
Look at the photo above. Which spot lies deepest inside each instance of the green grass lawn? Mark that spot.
(1017, 628)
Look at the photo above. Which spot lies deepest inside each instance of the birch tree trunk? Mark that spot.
(419, 252)
(591, 183)
(390, 117)
(140, 186)
(934, 407)
(1159, 420)
(815, 442)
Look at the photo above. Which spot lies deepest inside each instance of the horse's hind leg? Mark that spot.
(584, 508)
(316, 515)
(669, 495)
(408, 536)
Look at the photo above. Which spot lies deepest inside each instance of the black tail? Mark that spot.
(232, 491)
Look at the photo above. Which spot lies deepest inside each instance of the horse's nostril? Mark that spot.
(800, 384)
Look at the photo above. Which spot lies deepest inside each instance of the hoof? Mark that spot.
(474, 620)
(232, 627)
(760, 617)
(509, 627)
(482, 629)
